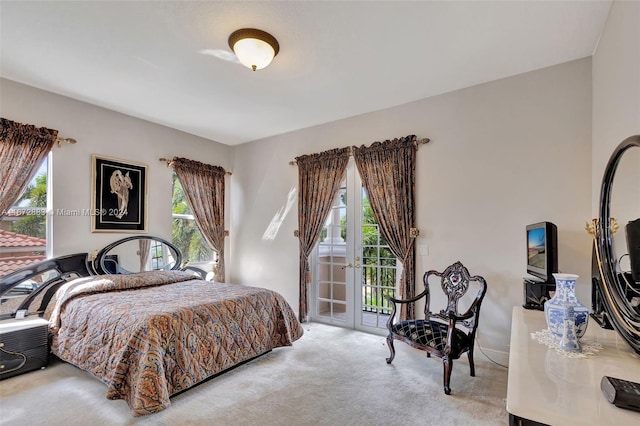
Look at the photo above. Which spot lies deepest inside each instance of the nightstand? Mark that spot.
(23, 346)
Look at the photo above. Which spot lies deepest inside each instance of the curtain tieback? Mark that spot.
(414, 232)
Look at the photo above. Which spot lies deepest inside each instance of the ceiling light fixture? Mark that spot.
(254, 48)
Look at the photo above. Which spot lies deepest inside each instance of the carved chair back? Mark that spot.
(455, 282)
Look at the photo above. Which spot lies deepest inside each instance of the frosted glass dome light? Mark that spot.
(254, 48)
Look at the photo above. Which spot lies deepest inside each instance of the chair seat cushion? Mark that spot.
(432, 334)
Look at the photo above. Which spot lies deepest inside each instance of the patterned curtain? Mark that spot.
(23, 147)
(144, 247)
(319, 178)
(388, 171)
(203, 187)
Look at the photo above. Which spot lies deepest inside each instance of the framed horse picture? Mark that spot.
(119, 195)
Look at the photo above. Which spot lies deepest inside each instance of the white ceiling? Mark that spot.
(337, 58)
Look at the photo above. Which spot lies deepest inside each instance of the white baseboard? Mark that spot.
(492, 355)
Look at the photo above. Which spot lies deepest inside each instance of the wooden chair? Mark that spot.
(446, 334)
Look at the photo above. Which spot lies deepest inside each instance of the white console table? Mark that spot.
(547, 387)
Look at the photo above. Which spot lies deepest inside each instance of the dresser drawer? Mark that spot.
(24, 348)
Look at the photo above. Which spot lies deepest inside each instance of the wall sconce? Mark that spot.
(254, 48)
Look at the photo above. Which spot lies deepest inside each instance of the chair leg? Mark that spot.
(448, 365)
(472, 366)
(391, 349)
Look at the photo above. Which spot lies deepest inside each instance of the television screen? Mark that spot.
(542, 251)
(536, 243)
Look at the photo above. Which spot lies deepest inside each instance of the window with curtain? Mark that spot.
(186, 235)
(23, 238)
(24, 150)
(23, 227)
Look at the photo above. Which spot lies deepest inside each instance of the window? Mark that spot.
(23, 239)
(380, 267)
(23, 228)
(157, 256)
(186, 235)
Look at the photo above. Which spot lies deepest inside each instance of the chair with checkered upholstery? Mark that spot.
(446, 334)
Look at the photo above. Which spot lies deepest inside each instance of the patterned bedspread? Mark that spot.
(153, 334)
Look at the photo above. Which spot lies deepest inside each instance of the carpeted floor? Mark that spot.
(331, 376)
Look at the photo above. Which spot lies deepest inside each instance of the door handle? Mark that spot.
(348, 265)
(357, 265)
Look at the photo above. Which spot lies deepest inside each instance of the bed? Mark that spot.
(150, 335)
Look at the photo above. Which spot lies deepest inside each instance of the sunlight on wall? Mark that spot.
(274, 226)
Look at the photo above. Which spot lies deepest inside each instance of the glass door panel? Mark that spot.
(353, 265)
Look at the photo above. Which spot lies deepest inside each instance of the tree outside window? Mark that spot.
(34, 199)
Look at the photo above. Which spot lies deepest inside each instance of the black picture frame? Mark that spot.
(118, 195)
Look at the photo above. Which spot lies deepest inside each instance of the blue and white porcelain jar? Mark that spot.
(555, 309)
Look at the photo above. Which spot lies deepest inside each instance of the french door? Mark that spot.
(352, 266)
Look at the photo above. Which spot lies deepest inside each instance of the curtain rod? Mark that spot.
(418, 142)
(170, 162)
(60, 140)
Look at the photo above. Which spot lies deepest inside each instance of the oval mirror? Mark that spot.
(625, 207)
(615, 254)
(137, 254)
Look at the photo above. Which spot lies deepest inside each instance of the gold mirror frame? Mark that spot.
(624, 318)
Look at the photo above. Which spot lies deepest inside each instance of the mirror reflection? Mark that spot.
(138, 254)
(625, 207)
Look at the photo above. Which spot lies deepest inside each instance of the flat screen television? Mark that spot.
(542, 251)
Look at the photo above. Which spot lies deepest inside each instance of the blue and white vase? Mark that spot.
(569, 340)
(564, 306)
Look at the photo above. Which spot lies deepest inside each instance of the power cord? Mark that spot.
(488, 357)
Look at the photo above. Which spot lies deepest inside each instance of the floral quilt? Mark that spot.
(151, 335)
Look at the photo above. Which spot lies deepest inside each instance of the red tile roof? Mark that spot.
(11, 239)
(10, 264)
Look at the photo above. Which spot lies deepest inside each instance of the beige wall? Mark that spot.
(108, 133)
(503, 155)
(616, 114)
(616, 86)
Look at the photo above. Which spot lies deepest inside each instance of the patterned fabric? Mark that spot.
(319, 178)
(433, 334)
(388, 173)
(106, 283)
(22, 149)
(150, 342)
(203, 187)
